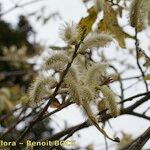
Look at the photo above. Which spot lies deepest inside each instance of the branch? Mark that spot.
(137, 59)
(140, 115)
(137, 104)
(40, 115)
(135, 96)
(139, 142)
(57, 110)
(131, 78)
(18, 6)
(70, 131)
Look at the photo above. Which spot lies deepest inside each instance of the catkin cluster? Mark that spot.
(84, 80)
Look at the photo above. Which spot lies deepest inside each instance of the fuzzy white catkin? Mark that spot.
(111, 98)
(86, 96)
(138, 13)
(57, 62)
(85, 102)
(70, 33)
(74, 91)
(102, 105)
(72, 74)
(38, 89)
(95, 40)
(95, 74)
(80, 61)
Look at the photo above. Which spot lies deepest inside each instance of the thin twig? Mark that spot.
(106, 143)
(146, 110)
(106, 117)
(141, 115)
(139, 142)
(135, 96)
(57, 110)
(121, 85)
(137, 58)
(18, 6)
(40, 115)
(137, 104)
(131, 78)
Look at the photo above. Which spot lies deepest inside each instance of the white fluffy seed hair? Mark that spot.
(38, 88)
(69, 32)
(111, 99)
(57, 62)
(74, 91)
(86, 96)
(95, 73)
(95, 40)
(72, 74)
(80, 62)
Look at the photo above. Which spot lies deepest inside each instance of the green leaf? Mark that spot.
(147, 77)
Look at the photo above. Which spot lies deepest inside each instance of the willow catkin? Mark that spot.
(74, 91)
(95, 74)
(111, 98)
(86, 95)
(57, 62)
(102, 105)
(138, 12)
(95, 40)
(41, 87)
(70, 33)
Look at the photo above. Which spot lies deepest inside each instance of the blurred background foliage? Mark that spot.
(16, 73)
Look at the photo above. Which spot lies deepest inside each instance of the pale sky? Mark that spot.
(73, 10)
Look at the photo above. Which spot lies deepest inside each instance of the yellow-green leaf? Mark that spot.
(86, 23)
(109, 24)
(147, 77)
